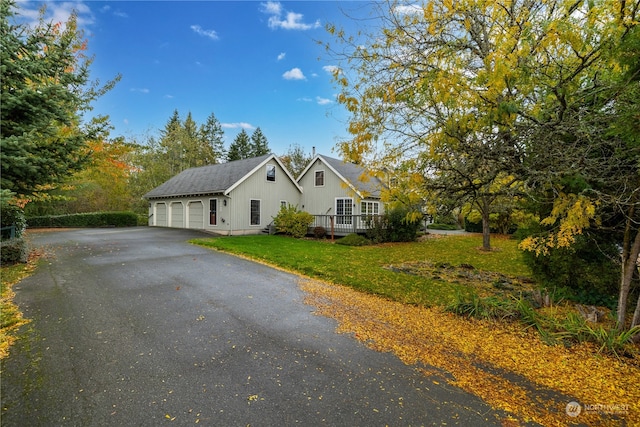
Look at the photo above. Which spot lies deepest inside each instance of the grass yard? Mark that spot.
(389, 270)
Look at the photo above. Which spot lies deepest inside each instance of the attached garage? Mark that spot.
(177, 215)
(161, 214)
(196, 215)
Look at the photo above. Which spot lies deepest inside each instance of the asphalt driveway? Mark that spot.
(136, 327)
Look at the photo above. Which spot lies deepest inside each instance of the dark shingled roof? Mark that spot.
(369, 187)
(206, 179)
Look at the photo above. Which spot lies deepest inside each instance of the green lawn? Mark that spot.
(363, 267)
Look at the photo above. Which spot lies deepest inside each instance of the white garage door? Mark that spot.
(196, 215)
(177, 215)
(161, 214)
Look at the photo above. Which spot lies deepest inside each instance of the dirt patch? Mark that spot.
(465, 274)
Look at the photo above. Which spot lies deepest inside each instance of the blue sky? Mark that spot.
(251, 63)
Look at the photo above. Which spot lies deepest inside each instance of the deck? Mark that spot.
(341, 225)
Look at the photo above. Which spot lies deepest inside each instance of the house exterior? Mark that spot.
(238, 197)
(341, 195)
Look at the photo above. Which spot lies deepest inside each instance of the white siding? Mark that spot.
(269, 193)
(321, 200)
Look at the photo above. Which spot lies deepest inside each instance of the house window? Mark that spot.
(319, 179)
(213, 211)
(271, 173)
(255, 212)
(344, 210)
(370, 208)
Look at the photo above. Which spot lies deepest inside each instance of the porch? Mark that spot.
(341, 225)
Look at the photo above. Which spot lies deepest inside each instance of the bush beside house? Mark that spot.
(292, 221)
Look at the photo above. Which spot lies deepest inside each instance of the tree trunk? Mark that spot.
(636, 314)
(630, 254)
(486, 230)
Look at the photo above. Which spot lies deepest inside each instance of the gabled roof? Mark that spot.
(214, 179)
(352, 175)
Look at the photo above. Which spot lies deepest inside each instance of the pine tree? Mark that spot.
(45, 88)
(212, 136)
(171, 147)
(240, 148)
(259, 144)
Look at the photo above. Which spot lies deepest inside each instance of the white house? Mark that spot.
(243, 196)
(343, 193)
(239, 197)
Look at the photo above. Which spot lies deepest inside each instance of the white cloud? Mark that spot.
(331, 69)
(323, 101)
(139, 89)
(294, 74)
(291, 21)
(238, 125)
(305, 99)
(168, 96)
(57, 12)
(408, 9)
(205, 33)
(272, 8)
(281, 56)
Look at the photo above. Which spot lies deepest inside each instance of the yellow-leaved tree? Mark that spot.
(468, 93)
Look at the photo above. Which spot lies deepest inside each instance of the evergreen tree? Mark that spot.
(212, 135)
(240, 148)
(171, 146)
(194, 152)
(45, 89)
(259, 144)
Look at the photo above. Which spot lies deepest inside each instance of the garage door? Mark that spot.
(196, 215)
(161, 214)
(177, 215)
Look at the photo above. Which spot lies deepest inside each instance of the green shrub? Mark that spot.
(96, 219)
(436, 226)
(13, 251)
(143, 219)
(11, 215)
(319, 232)
(292, 221)
(395, 225)
(586, 272)
(403, 229)
(353, 240)
(483, 308)
(378, 229)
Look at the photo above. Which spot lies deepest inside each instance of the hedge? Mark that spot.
(95, 219)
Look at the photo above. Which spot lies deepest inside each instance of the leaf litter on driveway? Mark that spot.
(511, 369)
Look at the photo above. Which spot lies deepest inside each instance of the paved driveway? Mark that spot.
(136, 327)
